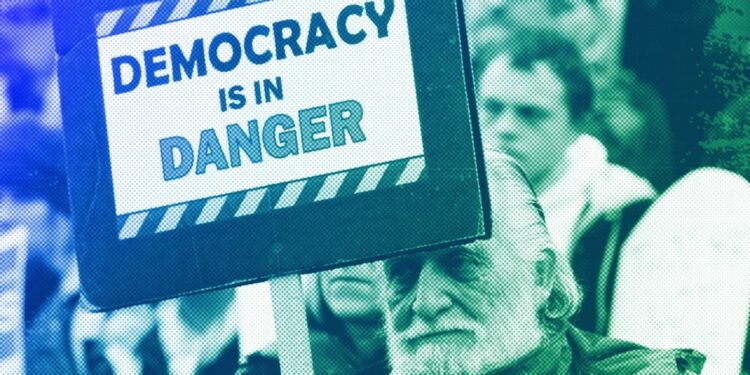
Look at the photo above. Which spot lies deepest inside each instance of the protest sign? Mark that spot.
(216, 143)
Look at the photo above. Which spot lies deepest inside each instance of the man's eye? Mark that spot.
(464, 265)
(401, 274)
(531, 115)
(494, 107)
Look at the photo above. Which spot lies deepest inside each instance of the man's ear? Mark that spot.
(545, 269)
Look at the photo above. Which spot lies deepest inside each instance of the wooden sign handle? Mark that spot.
(289, 314)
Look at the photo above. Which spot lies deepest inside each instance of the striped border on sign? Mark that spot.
(120, 21)
(270, 198)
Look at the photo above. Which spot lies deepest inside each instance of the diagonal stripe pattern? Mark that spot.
(145, 15)
(108, 21)
(256, 201)
(120, 21)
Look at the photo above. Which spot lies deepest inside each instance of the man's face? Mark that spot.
(464, 309)
(525, 114)
(351, 292)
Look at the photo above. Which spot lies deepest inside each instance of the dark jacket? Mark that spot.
(572, 352)
(577, 352)
(595, 258)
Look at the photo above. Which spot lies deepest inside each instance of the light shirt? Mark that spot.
(588, 188)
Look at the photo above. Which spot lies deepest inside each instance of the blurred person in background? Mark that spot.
(33, 194)
(195, 334)
(634, 128)
(501, 305)
(345, 324)
(27, 61)
(584, 22)
(633, 122)
(663, 44)
(535, 103)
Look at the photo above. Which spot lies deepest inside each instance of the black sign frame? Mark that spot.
(450, 206)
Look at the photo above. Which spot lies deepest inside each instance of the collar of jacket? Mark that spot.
(578, 352)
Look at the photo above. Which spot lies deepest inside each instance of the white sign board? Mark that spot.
(214, 143)
(271, 99)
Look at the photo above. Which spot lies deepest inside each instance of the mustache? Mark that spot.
(412, 338)
(420, 329)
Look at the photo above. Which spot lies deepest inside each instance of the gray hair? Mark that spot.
(510, 188)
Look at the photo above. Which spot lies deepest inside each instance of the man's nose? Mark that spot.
(501, 131)
(431, 298)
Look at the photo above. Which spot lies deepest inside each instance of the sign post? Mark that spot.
(215, 143)
(293, 340)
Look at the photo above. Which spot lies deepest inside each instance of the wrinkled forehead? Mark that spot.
(518, 227)
(503, 251)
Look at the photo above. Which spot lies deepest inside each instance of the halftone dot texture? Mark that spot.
(157, 13)
(625, 126)
(275, 197)
(234, 205)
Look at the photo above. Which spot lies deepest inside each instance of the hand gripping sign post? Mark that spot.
(212, 143)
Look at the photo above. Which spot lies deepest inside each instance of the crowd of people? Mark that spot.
(617, 246)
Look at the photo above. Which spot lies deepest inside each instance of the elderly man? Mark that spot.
(501, 305)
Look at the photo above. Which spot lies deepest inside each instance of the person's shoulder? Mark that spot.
(595, 354)
(609, 187)
(618, 188)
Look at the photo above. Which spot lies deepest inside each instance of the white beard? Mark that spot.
(430, 360)
(486, 354)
